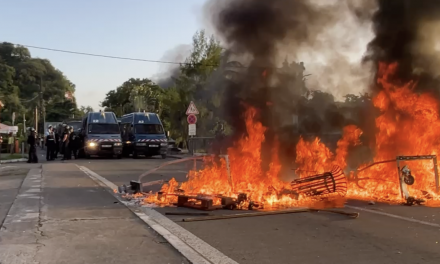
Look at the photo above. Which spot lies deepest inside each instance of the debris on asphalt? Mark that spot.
(371, 203)
(187, 213)
(230, 216)
(352, 215)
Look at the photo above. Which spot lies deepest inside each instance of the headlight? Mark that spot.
(118, 144)
(128, 142)
(92, 144)
(164, 144)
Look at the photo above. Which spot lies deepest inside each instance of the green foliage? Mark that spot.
(21, 77)
(171, 103)
(134, 95)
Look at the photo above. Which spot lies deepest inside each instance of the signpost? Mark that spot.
(191, 112)
(192, 119)
(192, 129)
(192, 109)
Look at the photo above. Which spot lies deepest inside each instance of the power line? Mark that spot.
(112, 57)
(141, 60)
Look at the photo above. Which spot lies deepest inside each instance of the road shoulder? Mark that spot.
(62, 216)
(192, 247)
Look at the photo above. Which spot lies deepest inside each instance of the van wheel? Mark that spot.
(119, 156)
(164, 156)
(135, 155)
(87, 156)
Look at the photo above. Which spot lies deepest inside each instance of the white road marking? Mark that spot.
(394, 216)
(193, 248)
(33, 191)
(7, 167)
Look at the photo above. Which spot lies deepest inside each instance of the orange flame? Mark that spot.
(409, 125)
(246, 173)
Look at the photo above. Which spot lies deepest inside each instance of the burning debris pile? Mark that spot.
(239, 182)
(406, 91)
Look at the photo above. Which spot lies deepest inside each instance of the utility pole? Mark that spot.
(24, 124)
(42, 114)
(36, 118)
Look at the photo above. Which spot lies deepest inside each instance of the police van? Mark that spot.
(143, 134)
(101, 135)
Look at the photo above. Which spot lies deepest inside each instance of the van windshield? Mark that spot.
(104, 129)
(148, 129)
(75, 125)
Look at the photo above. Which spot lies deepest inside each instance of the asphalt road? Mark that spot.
(384, 234)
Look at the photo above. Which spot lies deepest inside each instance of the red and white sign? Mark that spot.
(192, 109)
(192, 119)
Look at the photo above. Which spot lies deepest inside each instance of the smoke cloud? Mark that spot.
(329, 36)
(167, 72)
(407, 32)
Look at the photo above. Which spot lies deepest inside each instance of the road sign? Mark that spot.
(192, 109)
(191, 129)
(192, 119)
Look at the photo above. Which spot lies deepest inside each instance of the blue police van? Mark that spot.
(143, 134)
(100, 135)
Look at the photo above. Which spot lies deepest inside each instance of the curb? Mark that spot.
(195, 250)
(175, 156)
(12, 161)
(186, 156)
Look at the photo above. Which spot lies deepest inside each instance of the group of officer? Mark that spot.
(67, 143)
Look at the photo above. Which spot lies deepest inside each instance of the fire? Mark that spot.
(246, 175)
(409, 125)
(315, 157)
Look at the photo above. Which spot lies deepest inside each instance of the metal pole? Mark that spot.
(22, 149)
(398, 174)
(36, 118)
(229, 172)
(436, 174)
(43, 118)
(24, 124)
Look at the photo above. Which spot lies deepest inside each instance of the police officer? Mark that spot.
(73, 141)
(32, 146)
(50, 144)
(62, 132)
(66, 145)
(57, 141)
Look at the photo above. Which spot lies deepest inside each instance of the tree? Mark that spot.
(85, 109)
(192, 85)
(25, 80)
(134, 95)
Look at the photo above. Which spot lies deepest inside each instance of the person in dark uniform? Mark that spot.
(73, 141)
(57, 143)
(62, 131)
(33, 158)
(50, 144)
(66, 139)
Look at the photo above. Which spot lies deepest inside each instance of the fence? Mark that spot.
(200, 145)
(20, 148)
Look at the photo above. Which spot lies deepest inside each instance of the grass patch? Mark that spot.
(7, 156)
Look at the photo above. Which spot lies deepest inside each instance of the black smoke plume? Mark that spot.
(260, 30)
(406, 32)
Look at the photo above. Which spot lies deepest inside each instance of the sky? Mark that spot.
(145, 29)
